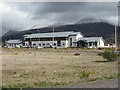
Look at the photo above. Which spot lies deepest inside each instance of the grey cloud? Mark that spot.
(74, 11)
(45, 13)
(39, 10)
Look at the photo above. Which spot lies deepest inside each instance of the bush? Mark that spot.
(77, 53)
(109, 55)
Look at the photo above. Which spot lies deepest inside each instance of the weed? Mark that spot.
(77, 53)
(14, 72)
(84, 74)
(16, 53)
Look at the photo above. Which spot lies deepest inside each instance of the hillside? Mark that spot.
(89, 27)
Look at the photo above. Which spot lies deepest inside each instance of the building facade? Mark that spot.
(56, 39)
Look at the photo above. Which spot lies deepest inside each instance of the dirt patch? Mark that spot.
(30, 66)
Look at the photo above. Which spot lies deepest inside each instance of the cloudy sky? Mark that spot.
(23, 15)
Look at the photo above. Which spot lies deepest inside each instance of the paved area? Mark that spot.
(112, 83)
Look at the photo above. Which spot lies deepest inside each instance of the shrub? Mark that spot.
(106, 48)
(87, 48)
(84, 74)
(67, 47)
(109, 55)
(118, 49)
(54, 47)
(77, 53)
(16, 53)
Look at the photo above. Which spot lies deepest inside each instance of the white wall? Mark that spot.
(26, 43)
(66, 42)
(46, 42)
(13, 45)
(79, 36)
(101, 43)
(75, 37)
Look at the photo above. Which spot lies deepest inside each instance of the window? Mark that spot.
(54, 44)
(70, 41)
(59, 43)
(43, 44)
(90, 44)
(63, 44)
(40, 44)
(48, 44)
(34, 44)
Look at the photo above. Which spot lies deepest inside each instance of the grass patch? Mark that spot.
(44, 84)
(101, 61)
(17, 85)
(93, 79)
(111, 76)
(10, 89)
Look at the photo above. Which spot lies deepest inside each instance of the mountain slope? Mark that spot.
(89, 29)
(91, 20)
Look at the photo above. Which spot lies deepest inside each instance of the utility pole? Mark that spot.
(116, 26)
(116, 36)
(53, 36)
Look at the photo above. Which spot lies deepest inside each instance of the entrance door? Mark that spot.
(78, 44)
(58, 43)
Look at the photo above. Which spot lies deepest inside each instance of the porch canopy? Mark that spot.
(16, 41)
(87, 41)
